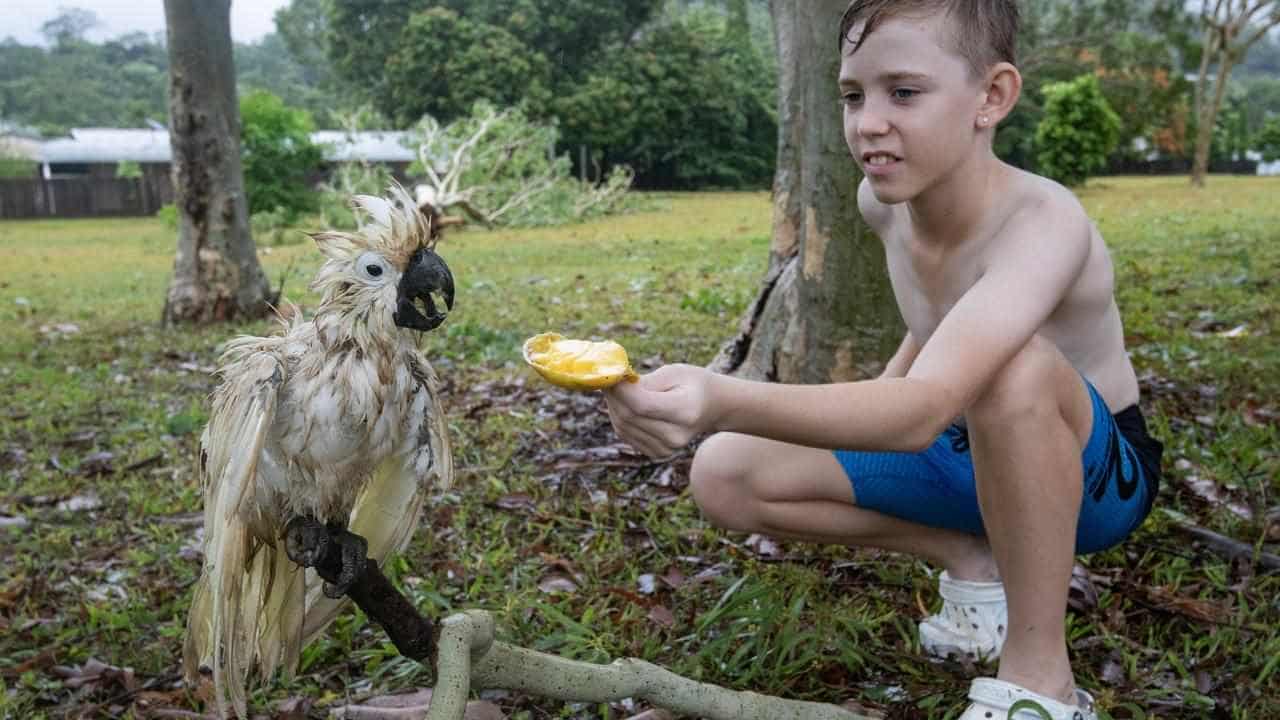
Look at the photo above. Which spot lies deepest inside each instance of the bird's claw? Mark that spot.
(338, 555)
(354, 551)
(306, 541)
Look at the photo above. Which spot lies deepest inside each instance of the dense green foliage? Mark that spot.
(278, 156)
(682, 91)
(123, 82)
(1079, 130)
(685, 96)
(1141, 50)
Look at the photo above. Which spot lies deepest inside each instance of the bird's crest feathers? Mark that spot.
(392, 226)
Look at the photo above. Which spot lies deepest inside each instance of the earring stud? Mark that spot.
(982, 120)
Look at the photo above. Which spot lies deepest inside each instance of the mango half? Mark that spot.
(578, 364)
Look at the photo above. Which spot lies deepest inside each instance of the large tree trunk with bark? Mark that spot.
(216, 275)
(825, 312)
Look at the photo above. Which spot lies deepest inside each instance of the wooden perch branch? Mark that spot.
(468, 652)
(468, 658)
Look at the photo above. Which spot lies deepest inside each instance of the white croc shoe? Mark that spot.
(993, 699)
(973, 622)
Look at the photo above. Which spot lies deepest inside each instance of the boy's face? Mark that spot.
(910, 105)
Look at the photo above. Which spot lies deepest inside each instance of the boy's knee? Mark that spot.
(1031, 382)
(718, 480)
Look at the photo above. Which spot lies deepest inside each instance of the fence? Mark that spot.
(81, 197)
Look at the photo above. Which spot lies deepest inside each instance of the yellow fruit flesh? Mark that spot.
(578, 364)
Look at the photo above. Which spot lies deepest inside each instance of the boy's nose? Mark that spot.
(872, 123)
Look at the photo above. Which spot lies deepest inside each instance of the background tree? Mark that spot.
(689, 104)
(1137, 47)
(216, 275)
(826, 311)
(69, 26)
(1231, 27)
(278, 156)
(1079, 130)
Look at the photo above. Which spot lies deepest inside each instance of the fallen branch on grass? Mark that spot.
(1229, 548)
(468, 658)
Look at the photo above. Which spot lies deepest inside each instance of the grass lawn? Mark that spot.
(583, 549)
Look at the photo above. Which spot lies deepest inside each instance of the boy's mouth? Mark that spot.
(879, 159)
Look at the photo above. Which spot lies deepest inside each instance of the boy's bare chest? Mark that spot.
(927, 282)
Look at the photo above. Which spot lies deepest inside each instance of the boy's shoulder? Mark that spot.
(1037, 204)
(1030, 202)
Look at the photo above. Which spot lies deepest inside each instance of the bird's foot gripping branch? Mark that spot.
(338, 557)
(469, 658)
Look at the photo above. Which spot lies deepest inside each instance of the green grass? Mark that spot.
(1176, 631)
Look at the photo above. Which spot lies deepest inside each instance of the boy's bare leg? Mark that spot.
(752, 484)
(1026, 435)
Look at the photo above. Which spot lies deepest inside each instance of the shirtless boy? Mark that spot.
(1004, 435)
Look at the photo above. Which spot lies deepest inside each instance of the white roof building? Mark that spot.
(141, 145)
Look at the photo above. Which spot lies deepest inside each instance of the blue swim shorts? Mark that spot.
(936, 487)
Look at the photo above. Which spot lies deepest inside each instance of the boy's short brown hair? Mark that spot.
(984, 32)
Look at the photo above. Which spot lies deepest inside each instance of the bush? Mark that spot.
(1268, 140)
(278, 155)
(168, 214)
(1079, 130)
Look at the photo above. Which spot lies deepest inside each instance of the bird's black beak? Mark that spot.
(427, 274)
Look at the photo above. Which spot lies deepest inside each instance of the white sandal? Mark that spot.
(993, 699)
(973, 621)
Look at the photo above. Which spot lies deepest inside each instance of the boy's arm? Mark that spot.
(900, 363)
(1038, 261)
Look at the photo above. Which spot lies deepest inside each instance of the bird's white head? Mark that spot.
(384, 276)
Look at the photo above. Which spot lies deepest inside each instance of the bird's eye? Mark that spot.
(372, 268)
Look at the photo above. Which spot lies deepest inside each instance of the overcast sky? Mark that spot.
(21, 19)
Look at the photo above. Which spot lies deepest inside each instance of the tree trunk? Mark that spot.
(216, 275)
(1208, 118)
(825, 312)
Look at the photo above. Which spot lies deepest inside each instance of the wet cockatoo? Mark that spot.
(334, 422)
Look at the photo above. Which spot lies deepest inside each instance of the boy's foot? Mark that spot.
(995, 698)
(973, 621)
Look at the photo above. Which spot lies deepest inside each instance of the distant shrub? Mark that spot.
(1268, 140)
(278, 155)
(16, 167)
(128, 169)
(168, 214)
(1079, 130)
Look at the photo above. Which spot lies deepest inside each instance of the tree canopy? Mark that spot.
(682, 91)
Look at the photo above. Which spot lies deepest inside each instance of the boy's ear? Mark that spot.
(1001, 90)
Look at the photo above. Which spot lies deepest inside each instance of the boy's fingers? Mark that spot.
(644, 441)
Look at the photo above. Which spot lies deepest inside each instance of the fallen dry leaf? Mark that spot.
(662, 616)
(95, 672)
(294, 708)
(1203, 610)
(1082, 596)
(515, 501)
(557, 582)
(80, 503)
(763, 545)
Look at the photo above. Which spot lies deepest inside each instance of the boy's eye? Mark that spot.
(851, 98)
(904, 93)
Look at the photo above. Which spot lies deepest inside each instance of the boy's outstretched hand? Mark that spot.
(666, 409)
